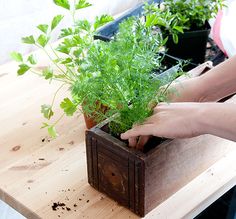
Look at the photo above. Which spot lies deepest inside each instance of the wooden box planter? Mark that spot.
(140, 181)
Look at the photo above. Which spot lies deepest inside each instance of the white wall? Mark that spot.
(19, 18)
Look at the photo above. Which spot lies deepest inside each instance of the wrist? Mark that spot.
(206, 92)
(208, 116)
(199, 117)
(190, 90)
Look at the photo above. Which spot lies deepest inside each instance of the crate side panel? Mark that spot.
(175, 164)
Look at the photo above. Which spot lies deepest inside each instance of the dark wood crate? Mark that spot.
(141, 181)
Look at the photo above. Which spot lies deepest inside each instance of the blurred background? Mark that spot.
(19, 18)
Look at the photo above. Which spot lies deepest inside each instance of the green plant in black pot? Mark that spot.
(109, 79)
(185, 23)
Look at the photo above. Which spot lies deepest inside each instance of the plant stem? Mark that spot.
(62, 71)
(54, 97)
(58, 119)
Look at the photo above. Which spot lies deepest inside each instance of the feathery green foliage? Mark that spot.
(116, 76)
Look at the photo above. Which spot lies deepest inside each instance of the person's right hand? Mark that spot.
(184, 91)
(174, 120)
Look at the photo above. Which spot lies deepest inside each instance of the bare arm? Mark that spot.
(214, 85)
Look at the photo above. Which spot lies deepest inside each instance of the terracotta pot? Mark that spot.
(91, 120)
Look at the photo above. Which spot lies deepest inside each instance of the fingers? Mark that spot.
(146, 129)
(132, 141)
(142, 141)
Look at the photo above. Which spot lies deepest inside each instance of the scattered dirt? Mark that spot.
(71, 142)
(61, 149)
(45, 139)
(56, 205)
(16, 148)
(41, 158)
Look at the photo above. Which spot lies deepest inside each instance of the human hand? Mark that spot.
(178, 92)
(174, 120)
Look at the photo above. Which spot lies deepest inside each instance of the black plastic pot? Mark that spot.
(191, 46)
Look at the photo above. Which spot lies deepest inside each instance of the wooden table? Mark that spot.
(36, 171)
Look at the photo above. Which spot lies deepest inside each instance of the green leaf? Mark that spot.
(22, 69)
(62, 3)
(43, 28)
(178, 28)
(66, 61)
(66, 32)
(63, 49)
(16, 56)
(175, 38)
(77, 52)
(47, 73)
(56, 20)
(100, 21)
(82, 4)
(84, 25)
(68, 106)
(151, 20)
(42, 40)
(31, 60)
(28, 40)
(52, 131)
(47, 111)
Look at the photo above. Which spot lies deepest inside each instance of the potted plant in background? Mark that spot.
(185, 23)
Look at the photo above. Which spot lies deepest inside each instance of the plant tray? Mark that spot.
(213, 53)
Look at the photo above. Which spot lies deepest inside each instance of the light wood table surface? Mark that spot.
(36, 171)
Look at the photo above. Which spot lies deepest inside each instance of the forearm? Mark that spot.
(214, 85)
(218, 119)
(218, 82)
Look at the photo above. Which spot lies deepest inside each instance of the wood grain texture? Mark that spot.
(36, 171)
